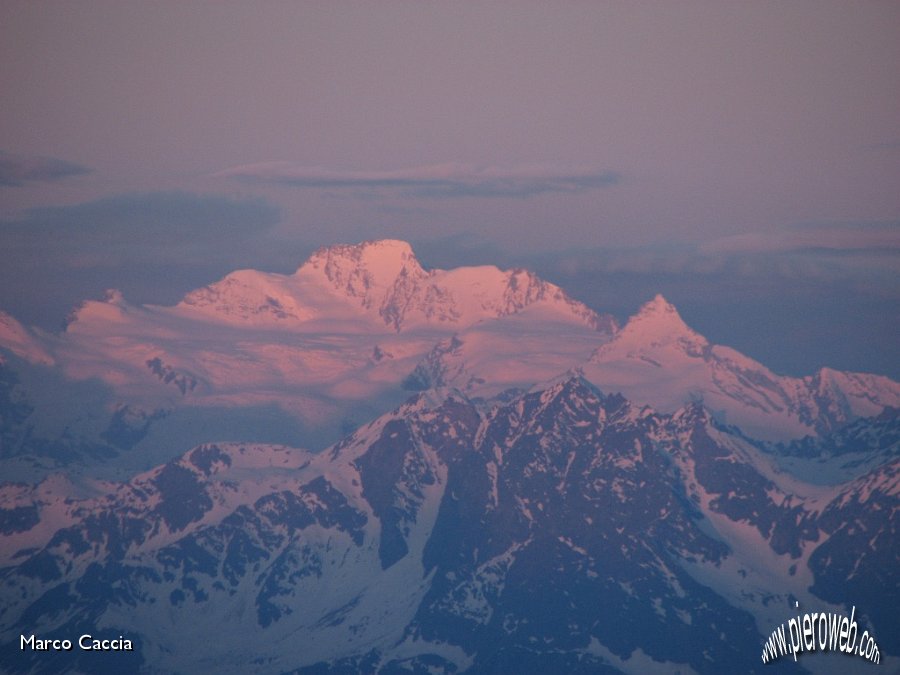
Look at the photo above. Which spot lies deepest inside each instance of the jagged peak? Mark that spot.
(656, 325)
(571, 382)
(381, 261)
(431, 399)
(568, 387)
(383, 278)
(855, 394)
(247, 294)
(658, 319)
(693, 413)
(658, 307)
(830, 377)
(572, 377)
(524, 287)
(371, 272)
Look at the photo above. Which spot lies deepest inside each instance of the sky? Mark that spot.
(741, 158)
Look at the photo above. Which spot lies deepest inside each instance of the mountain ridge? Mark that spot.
(547, 529)
(344, 338)
(386, 280)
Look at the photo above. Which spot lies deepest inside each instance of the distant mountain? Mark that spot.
(563, 531)
(307, 357)
(658, 360)
(302, 357)
(498, 480)
(380, 284)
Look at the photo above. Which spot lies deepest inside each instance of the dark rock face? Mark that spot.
(561, 532)
(208, 457)
(18, 519)
(380, 468)
(182, 498)
(184, 382)
(574, 535)
(859, 560)
(14, 412)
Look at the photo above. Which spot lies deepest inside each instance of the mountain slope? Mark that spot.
(657, 359)
(318, 351)
(381, 285)
(309, 356)
(563, 530)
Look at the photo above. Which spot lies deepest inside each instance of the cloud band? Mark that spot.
(17, 170)
(433, 181)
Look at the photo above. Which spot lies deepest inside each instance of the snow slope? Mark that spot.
(324, 349)
(657, 359)
(306, 357)
(563, 529)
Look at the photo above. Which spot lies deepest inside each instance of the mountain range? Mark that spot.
(367, 466)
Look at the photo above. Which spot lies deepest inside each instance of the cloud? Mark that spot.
(140, 224)
(153, 246)
(862, 258)
(437, 181)
(829, 236)
(460, 249)
(795, 307)
(893, 144)
(17, 170)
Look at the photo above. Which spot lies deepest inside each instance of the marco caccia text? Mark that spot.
(87, 643)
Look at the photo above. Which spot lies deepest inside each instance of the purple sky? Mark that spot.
(743, 158)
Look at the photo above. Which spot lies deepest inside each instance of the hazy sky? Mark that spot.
(741, 157)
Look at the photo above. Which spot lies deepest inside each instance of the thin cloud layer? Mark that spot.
(795, 309)
(873, 267)
(153, 246)
(17, 170)
(137, 224)
(434, 181)
(893, 144)
(830, 236)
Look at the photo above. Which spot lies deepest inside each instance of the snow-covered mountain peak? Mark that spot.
(657, 359)
(657, 304)
(387, 280)
(362, 270)
(656, 325)
(388, 254)
(850, 395)
(524, 287)
(355, 288)
(692, 414)
(113, 309)
(659, 318)
(248, 295)
(332, 284)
